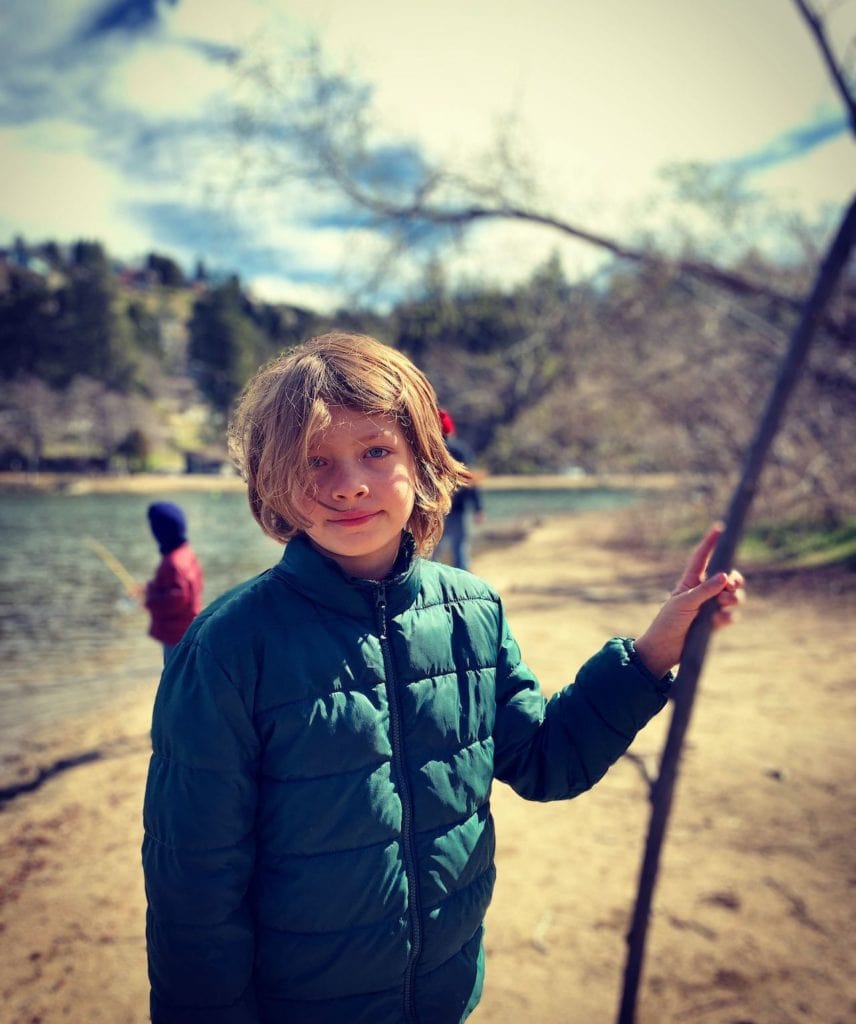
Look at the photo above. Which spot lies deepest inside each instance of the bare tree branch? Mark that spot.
(326, 141)
(815, 26)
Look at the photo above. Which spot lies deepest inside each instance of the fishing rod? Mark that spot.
(114, 565)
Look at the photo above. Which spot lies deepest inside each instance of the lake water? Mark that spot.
(70, 640)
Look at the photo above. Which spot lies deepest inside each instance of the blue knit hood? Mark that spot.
(168, 524)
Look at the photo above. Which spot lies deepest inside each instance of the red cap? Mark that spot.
(447, 424)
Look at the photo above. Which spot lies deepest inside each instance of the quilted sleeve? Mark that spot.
(550, 750)
(198, 848)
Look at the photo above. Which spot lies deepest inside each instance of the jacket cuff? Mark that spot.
(664, 685)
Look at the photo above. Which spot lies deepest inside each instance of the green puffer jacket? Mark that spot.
(318, 839)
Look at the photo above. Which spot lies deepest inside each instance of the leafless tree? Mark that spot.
(304, 122)
(97, 420)
(828, 276)
(30, 419)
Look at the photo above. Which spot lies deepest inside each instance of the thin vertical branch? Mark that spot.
(695, 648)
(815, 26)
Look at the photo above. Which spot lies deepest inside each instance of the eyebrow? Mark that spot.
(386, 433)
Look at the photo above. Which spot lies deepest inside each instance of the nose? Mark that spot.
(347, 483)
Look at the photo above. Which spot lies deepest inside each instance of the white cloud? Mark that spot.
(51, 135)
(270, 288)
(53, 189)
(504, 254)
(224, 23)
(167, 82)
(605, 93)
(39, 27)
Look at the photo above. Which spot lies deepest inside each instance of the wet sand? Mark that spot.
(755, 901)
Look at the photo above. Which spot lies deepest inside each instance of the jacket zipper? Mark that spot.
(407, 838)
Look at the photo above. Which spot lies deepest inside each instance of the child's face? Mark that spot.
(362, 473)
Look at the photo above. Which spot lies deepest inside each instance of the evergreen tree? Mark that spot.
(226, 347)
(145, 329)
(27, 327)
(166, 270)
(94, 340)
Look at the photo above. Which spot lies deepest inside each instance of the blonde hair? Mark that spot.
(289, 401)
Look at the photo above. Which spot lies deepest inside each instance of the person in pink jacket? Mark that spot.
(174, 595)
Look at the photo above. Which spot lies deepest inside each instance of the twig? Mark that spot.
(815, 26)
(43, 774)
(647, 777)
(115, 748)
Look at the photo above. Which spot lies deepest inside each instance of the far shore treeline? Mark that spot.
(109, 367)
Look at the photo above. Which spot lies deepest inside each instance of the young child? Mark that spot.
(319, 844)
(466, 504)
(174, 594)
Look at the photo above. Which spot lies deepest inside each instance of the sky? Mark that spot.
(115, 121)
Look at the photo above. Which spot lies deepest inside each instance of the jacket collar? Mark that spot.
(325, 583)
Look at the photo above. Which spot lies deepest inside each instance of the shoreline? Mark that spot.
(144, 483)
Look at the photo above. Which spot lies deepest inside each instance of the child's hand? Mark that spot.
(661, 644)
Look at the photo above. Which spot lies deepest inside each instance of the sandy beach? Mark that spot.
(754, 908)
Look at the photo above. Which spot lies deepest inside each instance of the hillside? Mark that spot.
(107, 367)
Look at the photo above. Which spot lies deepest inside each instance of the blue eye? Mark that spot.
(315, 461)
(377, 452)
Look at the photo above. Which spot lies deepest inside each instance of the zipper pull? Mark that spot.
(381, 610)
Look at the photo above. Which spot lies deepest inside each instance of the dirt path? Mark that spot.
(754, 908)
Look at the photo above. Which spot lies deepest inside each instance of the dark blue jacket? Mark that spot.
(318, 840)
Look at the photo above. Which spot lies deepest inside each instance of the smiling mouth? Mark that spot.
(353, 518)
